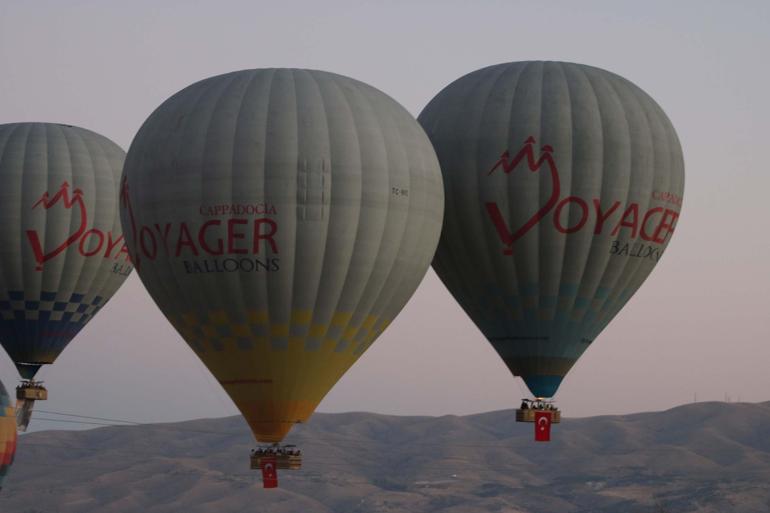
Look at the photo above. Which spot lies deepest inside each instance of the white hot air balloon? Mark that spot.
(62, 254)
(563, 186)
(281, 219)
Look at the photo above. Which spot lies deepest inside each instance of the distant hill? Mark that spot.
(705, 458)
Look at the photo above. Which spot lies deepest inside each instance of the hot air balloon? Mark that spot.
(7, 433)
(280, 219)
(563, 186)
(62, 254)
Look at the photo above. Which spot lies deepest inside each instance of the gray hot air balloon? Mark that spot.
(62, 254)
(281, 219)
(563, 185)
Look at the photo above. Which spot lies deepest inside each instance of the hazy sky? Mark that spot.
(698, 325)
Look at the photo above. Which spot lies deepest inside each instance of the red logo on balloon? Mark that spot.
(246, 230)
(652, 223)
(47, 202)
(526, 154)
(89, 242)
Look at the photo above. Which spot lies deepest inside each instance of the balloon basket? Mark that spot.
(530, 408)
(287, 457)
(31, 391)
(271, 458)
(26, 394)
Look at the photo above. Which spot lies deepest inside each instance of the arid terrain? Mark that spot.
(704, 457)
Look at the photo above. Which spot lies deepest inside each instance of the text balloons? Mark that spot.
(281, 218)
(563, 186)
(62, 254)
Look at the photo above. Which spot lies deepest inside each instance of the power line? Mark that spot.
(74, 421)
(313, 440)
(123, 423)
(457, 465)
(326, 462)
(87, 417)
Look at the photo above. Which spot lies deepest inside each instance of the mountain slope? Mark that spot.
(705, 457)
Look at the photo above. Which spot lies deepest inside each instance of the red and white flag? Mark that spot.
(269, 472)
(542, 426)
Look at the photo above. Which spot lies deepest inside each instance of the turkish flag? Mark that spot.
(269, 472)
(542, 426)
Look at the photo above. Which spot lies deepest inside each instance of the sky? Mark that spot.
(698, 329)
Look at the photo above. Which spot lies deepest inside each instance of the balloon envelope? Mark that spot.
(563, 185)
(8, 434)
(281, 219)
(62, 254)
